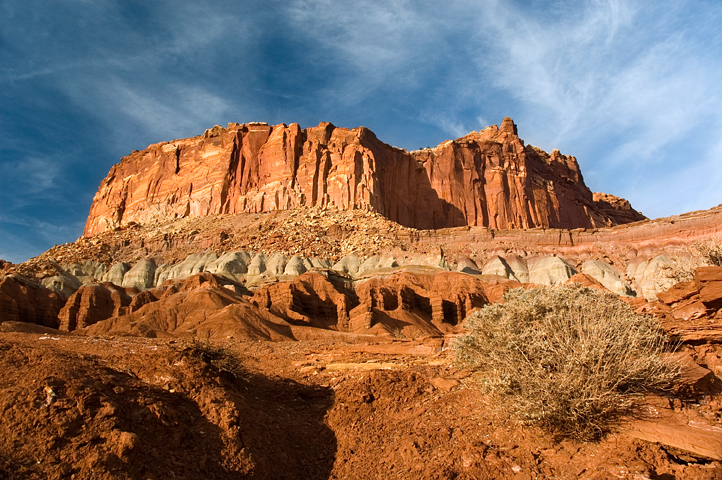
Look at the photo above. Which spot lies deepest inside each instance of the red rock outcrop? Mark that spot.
(23, 300)
(587, 281)
(310, 299)
(409, 303)
(414, 303)
(199, 306)
(709, 282)
(93, 303)
(692, 310)
(487, 178)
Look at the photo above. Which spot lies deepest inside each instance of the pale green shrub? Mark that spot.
(571, 359)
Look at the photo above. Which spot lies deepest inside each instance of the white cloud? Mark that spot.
(377, 45)
(20, 246)
(182, 108)
(34, 223)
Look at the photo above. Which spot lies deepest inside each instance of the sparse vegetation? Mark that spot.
(571, 360)
(675, 271)
(681, 269)
(710, 251)
(214, 355)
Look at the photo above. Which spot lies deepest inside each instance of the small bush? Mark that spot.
(710, 251)
(216, 356)
(571, 360)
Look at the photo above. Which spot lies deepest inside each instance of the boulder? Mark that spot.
(193, 264)
(320, 263)
(349, 264)
(587, 281)
(232, 265)
(690, 309)
(658, 423)
(607, 276)
(116, 273)
(276, 265)
(498, 266)
(549, 270)
(371, 263)
(257, 265)
(678, 292)
(467, 265)
(63, 283)
(295, 266)
(709, 282)
(714, 363)
(87, 271)
(141, 275)
(518, 267)
(652, 275)
(161, 272)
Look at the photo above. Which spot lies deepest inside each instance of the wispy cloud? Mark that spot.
(180, 108)
(450, 125)
(374, 45)
(35, 223)
(35, 175)
(32, 236)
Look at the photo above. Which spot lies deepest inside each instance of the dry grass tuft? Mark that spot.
(216, 356)
(571, 359)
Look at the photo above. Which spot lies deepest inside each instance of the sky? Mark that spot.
(632, 89)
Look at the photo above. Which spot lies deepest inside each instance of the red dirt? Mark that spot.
(135, 408)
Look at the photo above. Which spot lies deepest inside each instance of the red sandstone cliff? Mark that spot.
(486, 178)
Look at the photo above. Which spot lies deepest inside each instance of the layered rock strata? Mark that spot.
(488, 178)
(23, 300)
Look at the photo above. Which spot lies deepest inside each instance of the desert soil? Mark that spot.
(84, 407)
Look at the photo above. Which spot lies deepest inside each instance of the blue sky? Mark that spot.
(632, 89)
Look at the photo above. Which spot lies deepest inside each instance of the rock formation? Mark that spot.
(692, 310)
(93, 303)
(488, 178)
(23, 300)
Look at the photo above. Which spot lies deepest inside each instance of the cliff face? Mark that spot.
(487, 178)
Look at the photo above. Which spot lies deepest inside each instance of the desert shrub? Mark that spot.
(675, 271)
(710, 251)
(219, 357)
(571, 359)
(681, 269)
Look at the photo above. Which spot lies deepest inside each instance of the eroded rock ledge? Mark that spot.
(488, 178)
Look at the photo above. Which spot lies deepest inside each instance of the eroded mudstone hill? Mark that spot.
(488, 178)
